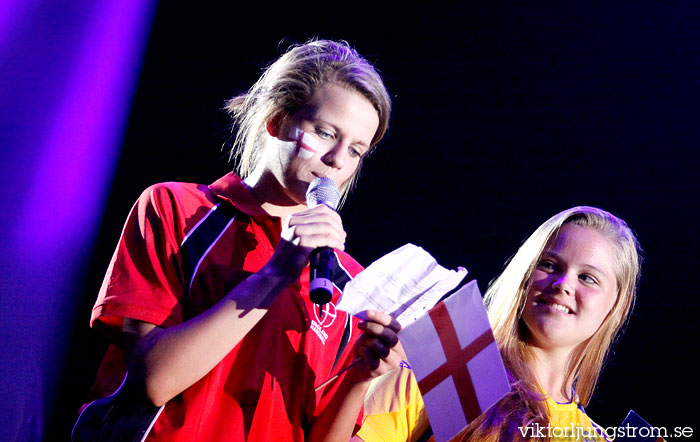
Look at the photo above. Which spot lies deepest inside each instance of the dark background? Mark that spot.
(503, 116)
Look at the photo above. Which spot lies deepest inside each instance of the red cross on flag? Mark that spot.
(456, 362)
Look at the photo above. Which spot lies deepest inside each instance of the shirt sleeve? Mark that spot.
(394, 410)
(144, 278)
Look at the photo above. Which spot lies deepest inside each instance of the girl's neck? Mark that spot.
(269, 193)
(550, 370)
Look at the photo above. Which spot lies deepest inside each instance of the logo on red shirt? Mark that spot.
(327, 316)
(322, 320)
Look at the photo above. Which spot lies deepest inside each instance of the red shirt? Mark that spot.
(263, 390)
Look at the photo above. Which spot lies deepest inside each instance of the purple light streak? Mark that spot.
(69, 75)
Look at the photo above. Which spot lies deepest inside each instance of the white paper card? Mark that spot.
(405, 283)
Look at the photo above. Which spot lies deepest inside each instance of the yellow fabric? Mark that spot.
(394, 412)
(569, 422)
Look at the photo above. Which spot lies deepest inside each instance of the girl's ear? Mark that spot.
(273, 126)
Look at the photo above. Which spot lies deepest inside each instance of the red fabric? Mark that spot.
(263, 390)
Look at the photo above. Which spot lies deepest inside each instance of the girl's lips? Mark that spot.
(560, 307)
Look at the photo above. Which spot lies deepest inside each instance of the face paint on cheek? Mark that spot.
(306, 144)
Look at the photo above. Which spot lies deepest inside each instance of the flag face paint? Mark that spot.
(306, 143)
(456, 361)
(304, 146)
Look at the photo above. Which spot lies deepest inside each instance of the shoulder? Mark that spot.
(176, 203)
(592, 429)
(175, 193)
(394, 391)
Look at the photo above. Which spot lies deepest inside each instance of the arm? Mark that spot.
(164, 362)
(378, 350)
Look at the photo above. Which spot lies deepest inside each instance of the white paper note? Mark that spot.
(405, 283)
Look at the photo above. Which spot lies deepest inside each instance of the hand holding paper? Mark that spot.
(405, 283)
(378, 348)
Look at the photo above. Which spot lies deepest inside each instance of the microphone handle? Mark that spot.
(321, 277)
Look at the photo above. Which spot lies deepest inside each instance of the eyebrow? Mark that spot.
(585, 266)
(360, 143)
(597, 270)
(363, 144)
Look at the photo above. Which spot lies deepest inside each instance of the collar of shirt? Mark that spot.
(231, 188)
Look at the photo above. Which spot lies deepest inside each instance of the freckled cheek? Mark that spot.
(531, 300)
(599, 305)
(538, 282)
(322, 146)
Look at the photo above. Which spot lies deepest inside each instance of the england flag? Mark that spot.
(456, 362)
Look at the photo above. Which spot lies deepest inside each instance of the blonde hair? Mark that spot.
(505, 300)
(289, 83)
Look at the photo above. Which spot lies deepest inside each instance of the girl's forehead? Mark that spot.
(585, 246)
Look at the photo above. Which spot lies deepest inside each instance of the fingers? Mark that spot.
(383, 319)
(317, 227)
(379, 346)
(319, 212)
(370, 360)
(382, 333)
(376, 356)
(375, 344)
(305, 231)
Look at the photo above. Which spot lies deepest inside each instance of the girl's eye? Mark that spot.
(588, 279)
(325, 135)
(355, 153)
(546, 265)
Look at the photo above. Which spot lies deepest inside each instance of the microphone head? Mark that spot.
(323, 190)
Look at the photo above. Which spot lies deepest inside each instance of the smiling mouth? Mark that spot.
(558, 307)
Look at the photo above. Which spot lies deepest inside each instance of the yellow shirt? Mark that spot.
(569, 422)
(394, 412)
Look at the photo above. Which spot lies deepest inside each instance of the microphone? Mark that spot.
(322, 190)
